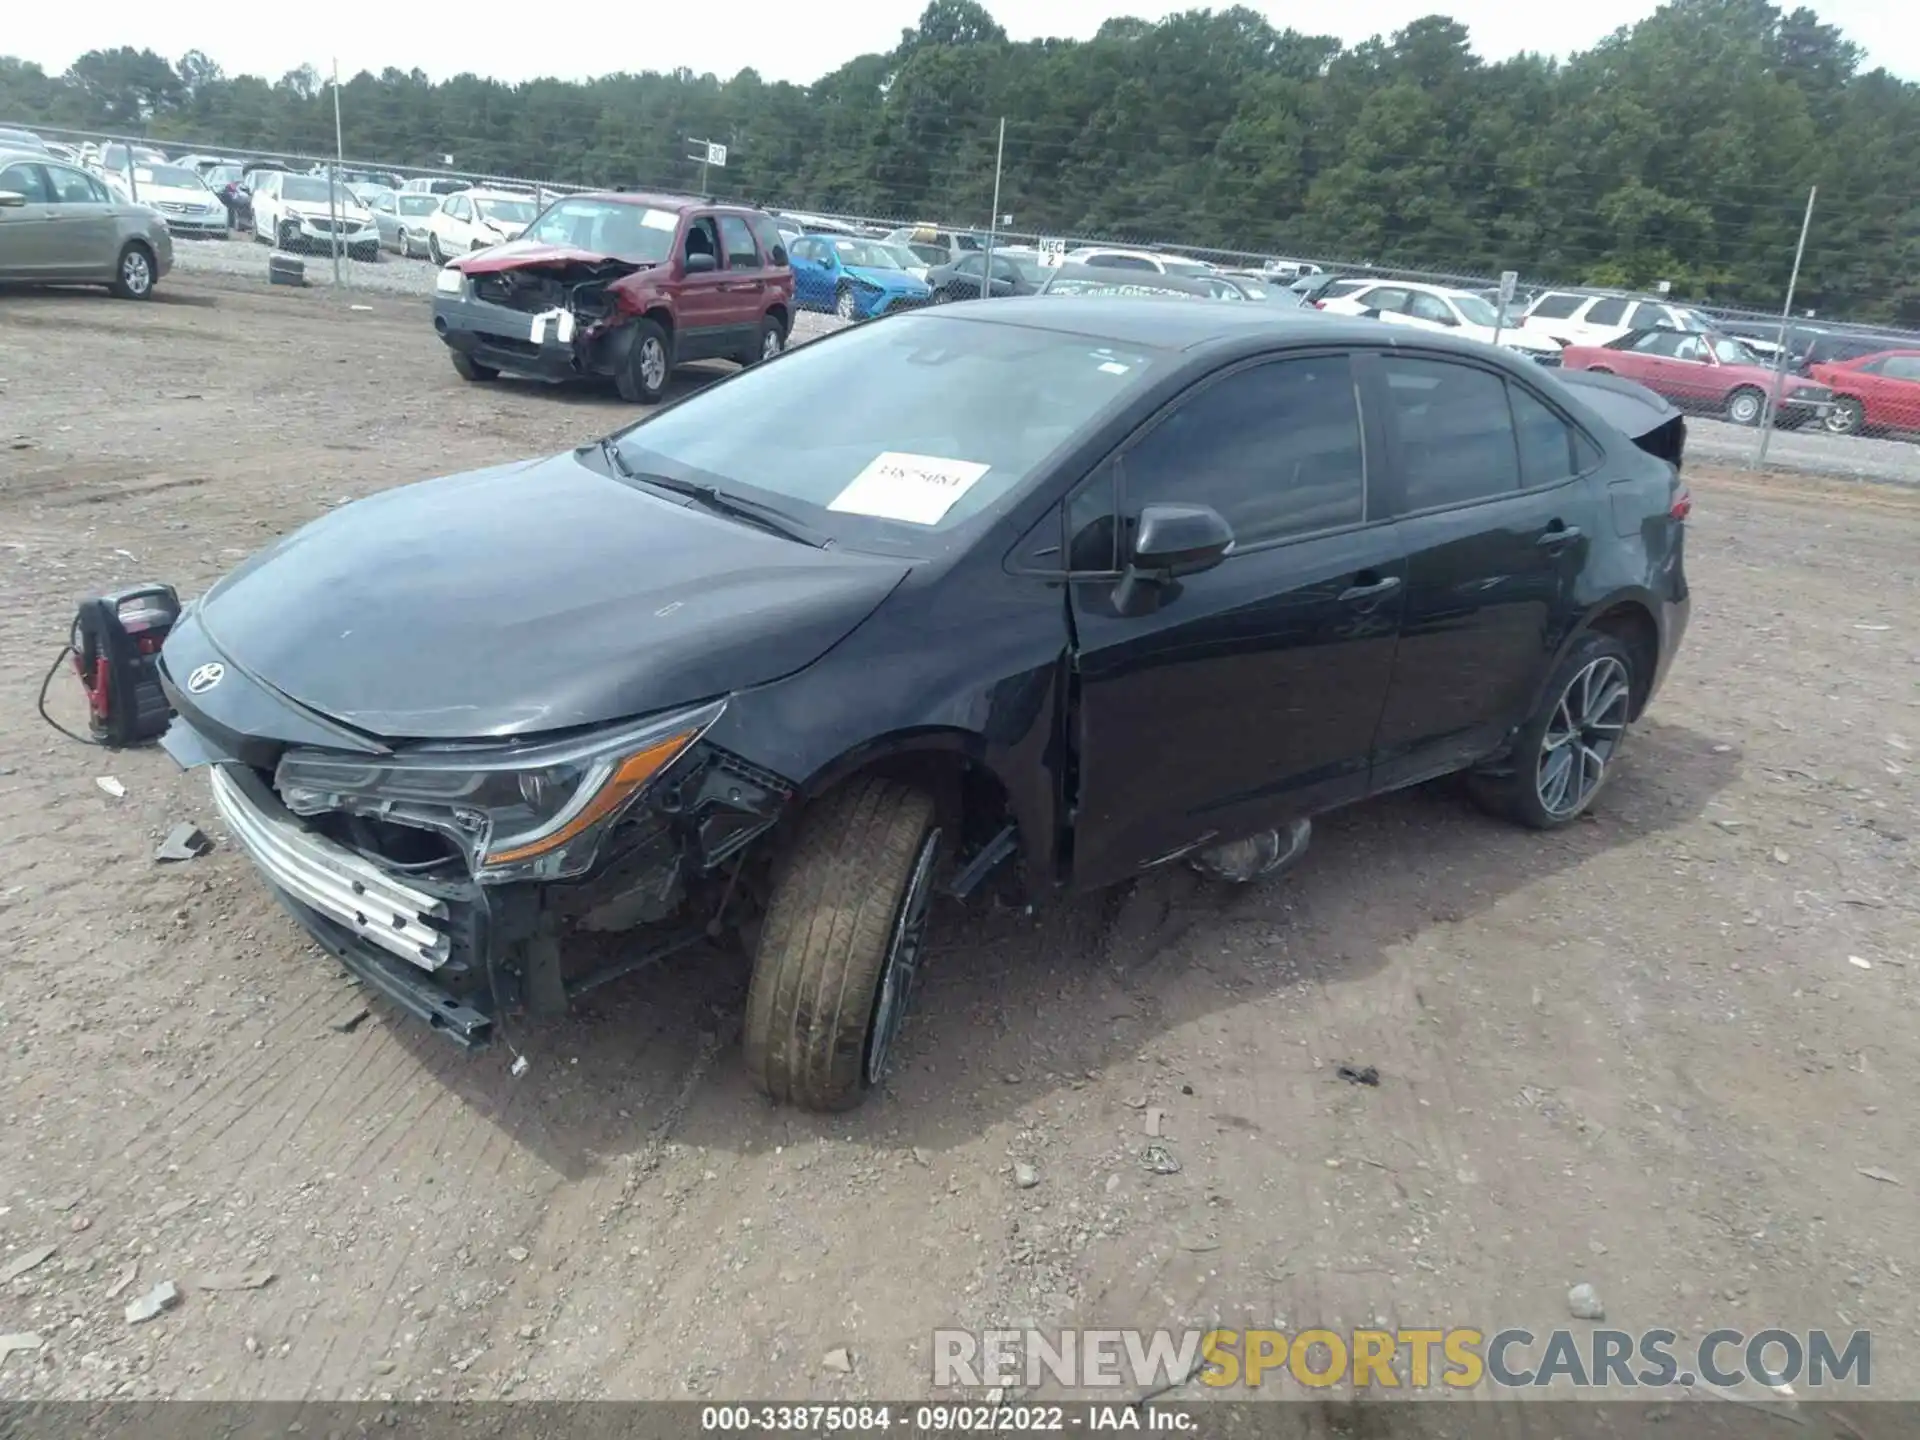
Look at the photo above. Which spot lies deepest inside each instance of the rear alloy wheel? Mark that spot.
(133, 275)
(773, 339)
(843, 305)
(469, 368)
(1746, 405)
(842, 944)
(1563, 755)
(1847, 417)
(643, 379)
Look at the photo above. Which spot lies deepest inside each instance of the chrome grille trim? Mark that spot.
(347, 889)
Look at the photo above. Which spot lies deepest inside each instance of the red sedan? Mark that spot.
(1704, 372)
(1874, 392)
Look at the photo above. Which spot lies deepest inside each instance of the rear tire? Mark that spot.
(469, 368)
(643, 379)
(1746, 406)
(840, 945)
(1575, 736)
(772, 340)
(133, 272)
(843, 304)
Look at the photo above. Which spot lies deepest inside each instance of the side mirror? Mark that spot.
(701, 265)
(1176, 540)
(11, 200)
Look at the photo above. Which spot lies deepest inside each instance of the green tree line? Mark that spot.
(1680, 149)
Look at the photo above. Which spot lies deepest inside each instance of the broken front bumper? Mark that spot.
(424, 951)
(544, 344)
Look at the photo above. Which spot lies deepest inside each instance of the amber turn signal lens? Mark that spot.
(634, 772)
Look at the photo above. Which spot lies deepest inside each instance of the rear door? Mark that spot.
(744, 283)
(1231, 700)
(1496, 523)
(812, 284)
(1902, 377)
(26, 231)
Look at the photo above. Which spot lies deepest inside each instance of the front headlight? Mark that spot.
(519, 813)
(449, 281)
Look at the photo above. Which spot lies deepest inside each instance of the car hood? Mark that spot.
(526, 598)
(520, 254)
(174, 195)
(317, 210)
(886, 279)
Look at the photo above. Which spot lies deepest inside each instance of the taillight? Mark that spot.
(1682, 505)
(1319, 304)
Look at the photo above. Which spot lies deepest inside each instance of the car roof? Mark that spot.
(1179, 325)
(653, 200)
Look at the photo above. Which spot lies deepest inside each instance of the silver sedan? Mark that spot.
(61, 226)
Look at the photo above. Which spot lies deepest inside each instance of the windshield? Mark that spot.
(1475, 310)
(903, 255)
(1729, 351)
(953, 416)
(312, 190)
(168, 177)
(1691, 320)
(223, 174)
(1193, 269)
(1029, 267)
(506, 212)
(865, 253)
(608, 227)
(419, 204)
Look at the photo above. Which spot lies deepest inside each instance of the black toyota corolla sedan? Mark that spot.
(1078, 587)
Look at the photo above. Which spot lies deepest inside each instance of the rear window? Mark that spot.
(1555, 307)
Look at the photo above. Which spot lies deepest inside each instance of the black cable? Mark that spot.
(45, 685)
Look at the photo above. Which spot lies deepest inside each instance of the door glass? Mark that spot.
(1659, 342)
(1547, 443)
(1607, 312)
(1275, 449)
(738, 239)
(1456, 434)
(25, 180)
(1648, 317)
(1422, 306)
(970, 265)
(70, 187)
(702, 238)
(1903, 367)
(1384, 298)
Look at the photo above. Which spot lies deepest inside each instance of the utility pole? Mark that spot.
(333, 185)
(993, 220)
(1780, 356)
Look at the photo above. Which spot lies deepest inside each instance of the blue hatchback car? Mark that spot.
(853, 278)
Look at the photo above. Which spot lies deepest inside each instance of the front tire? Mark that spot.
(843, 304)
(643, 379)
(842, 941)
(1564, 754)
(469, 368)
(433, 249)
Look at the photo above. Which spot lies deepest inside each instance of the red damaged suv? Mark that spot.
(621, 285)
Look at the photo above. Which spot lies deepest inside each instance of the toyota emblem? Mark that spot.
(205, 677)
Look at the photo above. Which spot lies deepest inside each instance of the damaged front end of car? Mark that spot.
(470, 881)
(557, 314)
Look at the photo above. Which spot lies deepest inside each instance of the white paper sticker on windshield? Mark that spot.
(660, 220)
(1113, 367)
(919, 489)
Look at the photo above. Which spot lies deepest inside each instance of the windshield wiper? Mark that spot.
(720, 502)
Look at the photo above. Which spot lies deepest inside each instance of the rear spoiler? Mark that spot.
(1647, 419)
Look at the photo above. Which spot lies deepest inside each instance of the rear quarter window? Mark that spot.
(1555, 307)
(768, 234)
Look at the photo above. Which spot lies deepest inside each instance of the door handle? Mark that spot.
(1557, 535)
(1369, 591)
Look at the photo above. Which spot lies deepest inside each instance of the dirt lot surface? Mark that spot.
(1641, 1053)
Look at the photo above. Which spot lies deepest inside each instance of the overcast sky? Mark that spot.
(796, 40)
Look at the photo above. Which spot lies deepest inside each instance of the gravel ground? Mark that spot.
(1638, 1054)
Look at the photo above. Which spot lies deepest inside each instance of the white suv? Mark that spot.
(1574, 317)
(1107, 257)
(1439, 307)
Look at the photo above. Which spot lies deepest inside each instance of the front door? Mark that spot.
(1496, 527)
(84, 229)
(702, 308)
(1226, 702)
(26, 231)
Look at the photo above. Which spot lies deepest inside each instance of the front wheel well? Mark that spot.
(661, 317)
(1633, 627)
(971, 802)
